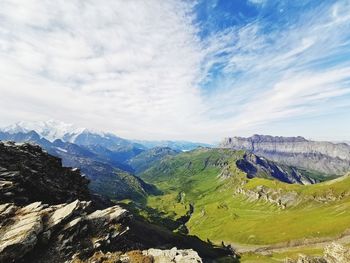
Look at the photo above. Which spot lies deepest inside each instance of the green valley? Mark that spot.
(205, 194)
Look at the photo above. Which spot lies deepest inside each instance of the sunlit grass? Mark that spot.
(219, 215)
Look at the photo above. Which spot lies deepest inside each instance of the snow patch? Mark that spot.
(61, 149)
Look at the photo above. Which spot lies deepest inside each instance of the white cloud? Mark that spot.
(257, 2)
(294, 96)
(284, 74)
(135, 68)
(127, 66)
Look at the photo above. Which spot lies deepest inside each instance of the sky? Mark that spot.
(181, 70)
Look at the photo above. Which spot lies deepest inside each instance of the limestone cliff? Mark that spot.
(324, 157)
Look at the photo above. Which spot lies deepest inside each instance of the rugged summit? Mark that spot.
(324, 157)
(28, 174)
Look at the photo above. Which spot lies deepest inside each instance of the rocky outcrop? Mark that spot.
(283, 198)
(333, 253)
(43, 233)
(255, 166)
(324, 157)
(173, 255)
(274, 196)
(29, 174)
(72, 233)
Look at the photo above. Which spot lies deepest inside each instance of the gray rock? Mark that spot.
(29, 174)
(255, 166)
(113, 213)
(62, 214)
(21, 235)
(324, 157)
(173, 255)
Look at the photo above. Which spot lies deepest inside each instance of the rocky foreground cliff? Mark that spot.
(324, 157)
(48, 215)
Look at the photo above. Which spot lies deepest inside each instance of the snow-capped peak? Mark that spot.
(50, 129)
(15, 128)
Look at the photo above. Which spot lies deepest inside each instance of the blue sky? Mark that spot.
(195, 70)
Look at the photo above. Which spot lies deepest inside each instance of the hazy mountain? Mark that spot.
(52, 130)
(175, 145)
(325, 157)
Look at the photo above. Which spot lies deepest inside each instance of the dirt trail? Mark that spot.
(279, 248)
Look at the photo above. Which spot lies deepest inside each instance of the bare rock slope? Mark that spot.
(29, 174)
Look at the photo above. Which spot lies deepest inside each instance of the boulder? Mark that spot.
(173, 255)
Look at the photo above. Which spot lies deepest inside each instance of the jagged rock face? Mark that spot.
(75, 232)
(256, 166)
(42, 233)
(28, 174)
(325, 157)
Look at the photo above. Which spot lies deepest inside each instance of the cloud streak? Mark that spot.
(283, 74)
(124, 65)
(140, 68)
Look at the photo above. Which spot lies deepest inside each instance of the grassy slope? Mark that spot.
(220, 216)
(149, 157)
(279, 257)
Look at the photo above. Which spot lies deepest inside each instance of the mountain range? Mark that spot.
(239, 195)
(103, 157)
(326, 158)
(48, 215)
(109, 176)
(53, 129)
